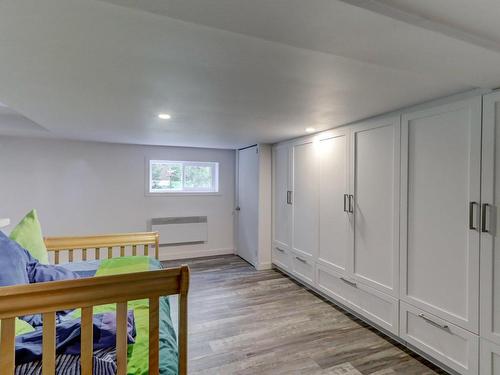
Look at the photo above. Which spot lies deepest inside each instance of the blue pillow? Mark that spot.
(14, 262)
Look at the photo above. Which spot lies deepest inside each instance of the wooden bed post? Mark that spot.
(183, 320)
(157, 246)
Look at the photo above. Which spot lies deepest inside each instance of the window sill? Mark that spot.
(180, 194)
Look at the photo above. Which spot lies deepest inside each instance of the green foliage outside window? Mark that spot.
(169, 176)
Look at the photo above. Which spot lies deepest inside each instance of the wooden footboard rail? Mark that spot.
(103, 246)
(47, 298)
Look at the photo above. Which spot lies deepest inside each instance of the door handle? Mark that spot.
(435, 324)
(280, 250)
(237, 208)
(289, 197)
(484, 210)
(351, 203)
(351, 283)
(345, 202)
(301, 260)
(471, 215)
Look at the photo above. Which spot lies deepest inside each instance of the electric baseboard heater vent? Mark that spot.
(181, 230)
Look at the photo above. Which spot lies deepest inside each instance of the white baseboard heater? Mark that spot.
(181, 230)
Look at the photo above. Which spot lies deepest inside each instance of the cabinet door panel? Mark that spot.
(490, 244)
(375, 180)
(305, 199)
(490, 358)
(333, 185)
(281, 209)
(453, 346)
(441, 150)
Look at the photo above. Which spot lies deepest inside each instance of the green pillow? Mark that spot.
(28, 234)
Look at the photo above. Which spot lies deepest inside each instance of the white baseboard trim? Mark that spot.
(165, 254)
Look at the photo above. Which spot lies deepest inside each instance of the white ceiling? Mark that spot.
(233, 72)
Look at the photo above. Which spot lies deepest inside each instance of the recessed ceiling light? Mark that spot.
(310, 130)
(164, 116)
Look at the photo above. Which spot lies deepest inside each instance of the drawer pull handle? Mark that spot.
(351, 283)
(435, 324)
(280, 250)
(289, 197)
(301, 260)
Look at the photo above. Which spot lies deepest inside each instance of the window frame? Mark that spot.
(183, 191)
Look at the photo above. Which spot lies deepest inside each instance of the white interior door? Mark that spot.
(305, 199)
(247, 204)
(375, 178)
(333, 187)
(441, 167)
(490, 244)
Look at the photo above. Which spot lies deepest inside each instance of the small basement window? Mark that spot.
(167, 176)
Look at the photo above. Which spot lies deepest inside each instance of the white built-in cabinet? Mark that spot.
(334, 232)
(490, 243)
(305, 199)
(282, 208)
(490, 358)
(374, 187)
(396, 219)
(441, 179)
(343, 218)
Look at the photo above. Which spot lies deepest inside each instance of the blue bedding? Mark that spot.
(68, 333)
(28, 347)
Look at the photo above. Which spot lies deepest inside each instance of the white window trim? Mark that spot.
(147, 175)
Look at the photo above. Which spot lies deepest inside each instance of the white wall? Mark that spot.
(90, 188)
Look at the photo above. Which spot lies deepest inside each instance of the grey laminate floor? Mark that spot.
(243, 321)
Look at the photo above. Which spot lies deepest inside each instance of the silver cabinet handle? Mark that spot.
(301, 260)
(483, 218)
(280, 250)
(289, 197)
(345, 202)
(432, 322)
(351, 205)
(471, 215)
(351, 283)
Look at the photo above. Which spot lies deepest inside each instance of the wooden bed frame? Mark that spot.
(85, 293)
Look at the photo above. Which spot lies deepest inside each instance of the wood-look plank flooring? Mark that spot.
(243, 321)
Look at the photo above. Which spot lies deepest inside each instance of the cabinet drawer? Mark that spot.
(376, 306)
(330, 283)
(490, 358)
(446, 342)
(281, 257)
(303, 268)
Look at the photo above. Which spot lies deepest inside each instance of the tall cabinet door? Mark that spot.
(375, 177)
(282, 218)
(333, 190)
(440, 196)
(305, 199)
(490, 244)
